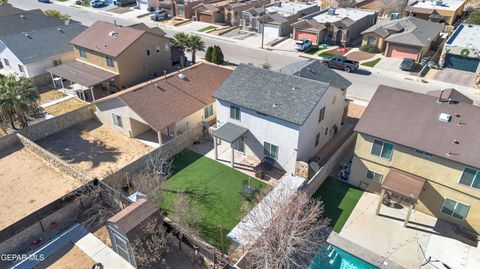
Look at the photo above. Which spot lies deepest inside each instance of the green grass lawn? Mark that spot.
(327, 54)
(372, 63)
(210, 27)
(214, 188)
(339, 200)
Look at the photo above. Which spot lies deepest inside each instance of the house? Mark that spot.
(408, 37)
(34, 42)
(184, 8)
(442, 11)
(276, 19)
(340, 3)
(422, 149)
(342, 26)
(462, 49)
(275, 116)
(110, 57)
(225, 11)
(394, 9)
(165, 107)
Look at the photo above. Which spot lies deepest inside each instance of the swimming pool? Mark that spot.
(332, 257)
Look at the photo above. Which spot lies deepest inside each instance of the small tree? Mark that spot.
(18, 100)
(208, 54)
(180, 40)
(151, 246)
(194, 44)
(3, 2)
(56, 14)
(186, 212)
(217, 55)
(474, 17)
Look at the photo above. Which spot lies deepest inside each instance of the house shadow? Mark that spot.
(362, 72)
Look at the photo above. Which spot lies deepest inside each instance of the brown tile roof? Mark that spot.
(8, 9)
(163, 102)
(450, 94)
(412, 119)
(133, 215)
(109, 39)
(403, 183)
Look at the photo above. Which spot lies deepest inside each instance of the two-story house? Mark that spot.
(442, 11)
(423, 150)
(285, 118)
(111, 57)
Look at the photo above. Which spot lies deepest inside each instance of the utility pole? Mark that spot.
(263, 24)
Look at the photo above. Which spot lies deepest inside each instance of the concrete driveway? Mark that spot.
(424, 237)
(391, 64)
(286, 45)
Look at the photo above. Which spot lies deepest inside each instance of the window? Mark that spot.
(334, 99)
(455, 209)
(382, 149)
(167, 46)
(21, 68)
(317, 139)
(208, 111)
(235, 112)
(270, 150)
(82, 52)
(109, 61)
(57, 62)
(321, 115)
(470, 178)
(420, 152)
(372, 175)
(371, 40)
(326, 131)
(7, 63)
(149, 52)
(157, 49)
(117, 120)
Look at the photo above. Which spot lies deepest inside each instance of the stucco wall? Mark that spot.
(193, 120)
(262, 129)
(442, 177)
(6, 53)
(97, 59)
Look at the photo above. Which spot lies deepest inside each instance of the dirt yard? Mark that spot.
(69, 257)
(28, 183)
(94, 148)
(50, 96)
(64, 107)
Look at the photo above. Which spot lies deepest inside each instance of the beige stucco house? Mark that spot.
(422, 150)
(442, 11)
(165, 107)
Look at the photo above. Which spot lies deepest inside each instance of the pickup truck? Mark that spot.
(340, 62)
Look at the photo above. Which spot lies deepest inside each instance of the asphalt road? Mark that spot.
(364, 82)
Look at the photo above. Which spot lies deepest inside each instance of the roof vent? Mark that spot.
(445, 117)
(294, 88)
(22, 16)
(113, 34)
(60, 29)
(274, 103)
(455, 141)
(182, 76)
(331, 11)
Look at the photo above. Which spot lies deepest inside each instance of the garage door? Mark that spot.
(462, 63)
(396, 51)
(205, 17)
(305, 35)
(270, 30)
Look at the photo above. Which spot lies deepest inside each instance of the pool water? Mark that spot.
(334, 258)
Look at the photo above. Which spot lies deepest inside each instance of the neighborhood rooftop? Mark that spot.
(39, 44)
(316, 70)
(8, 9)
(413, 120)
(164, 101)
(287, 97)
(26, 22)
(440, 4)
(342, 13)
(466, 35)
(407, 30)
(110, 39)
(286, 9)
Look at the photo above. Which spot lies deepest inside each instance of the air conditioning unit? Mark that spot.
(445, 117)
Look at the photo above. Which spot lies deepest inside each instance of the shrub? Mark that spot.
(217, 55)
(369, 49)
(474, 17)
(208, 54)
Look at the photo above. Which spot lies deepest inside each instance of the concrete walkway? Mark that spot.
(56, 101)
(83, 239)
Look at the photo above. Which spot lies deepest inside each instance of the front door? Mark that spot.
(239, 144)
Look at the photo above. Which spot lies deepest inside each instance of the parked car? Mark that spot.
(341, 62)
(44, 1)
(98, 3)
(122, 3)
(302, 44)
(159, 15)
(407, 64)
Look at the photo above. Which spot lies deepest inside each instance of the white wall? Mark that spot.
(6, 53)
(193, 120)
(310, 129)
(264, 129)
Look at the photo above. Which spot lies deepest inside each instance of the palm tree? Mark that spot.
(194, 44)
(18, 99)
(180, 40)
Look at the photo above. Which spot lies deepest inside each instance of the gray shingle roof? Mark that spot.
(39, 44)
(286, 97)
(407, 30)
(315, 70)
(26, 22)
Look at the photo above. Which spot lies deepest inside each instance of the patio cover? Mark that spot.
(403, 183)
(81, 73)
(229, 132)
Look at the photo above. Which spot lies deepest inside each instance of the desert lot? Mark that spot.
(94, 148)
(28, 183)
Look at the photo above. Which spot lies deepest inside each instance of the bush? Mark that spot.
(208, 54)
(217, 55)
(474, 17)
(369, 49)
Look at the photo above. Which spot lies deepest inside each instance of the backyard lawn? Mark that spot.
(339, 200)
(64, 107)
(214, 189)
(49, 96)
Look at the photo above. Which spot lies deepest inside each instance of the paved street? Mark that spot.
(364, 82)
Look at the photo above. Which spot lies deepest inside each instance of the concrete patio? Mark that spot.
(424, 237)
